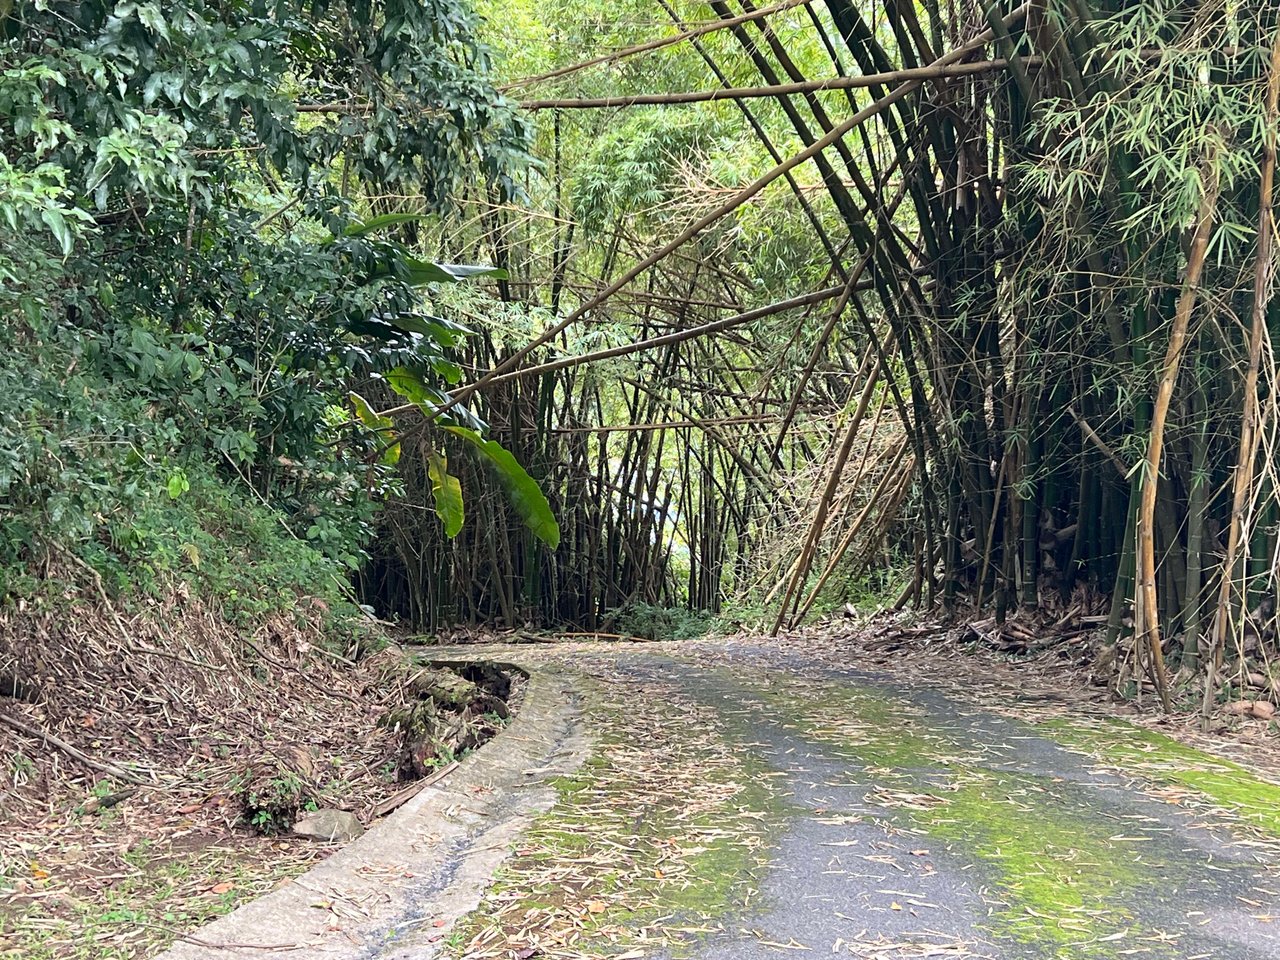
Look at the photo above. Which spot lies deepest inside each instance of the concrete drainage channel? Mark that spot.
(395, 892)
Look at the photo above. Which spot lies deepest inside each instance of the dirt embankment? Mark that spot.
(155, 765)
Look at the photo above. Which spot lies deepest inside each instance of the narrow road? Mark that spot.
(743, 801)
(901, 823)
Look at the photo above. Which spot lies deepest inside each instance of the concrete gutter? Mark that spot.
(393, 893)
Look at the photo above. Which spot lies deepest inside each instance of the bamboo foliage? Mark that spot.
(1033, 232)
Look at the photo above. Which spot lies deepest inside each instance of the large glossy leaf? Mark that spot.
(373, 224)
(442, 331)
(525, 494)
(411, 386)
(424, 271)
(447, 492)
(381, 425)
(522, 489)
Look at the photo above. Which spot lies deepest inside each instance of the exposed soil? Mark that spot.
(196, 756)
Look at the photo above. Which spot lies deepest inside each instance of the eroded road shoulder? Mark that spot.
(388, 893)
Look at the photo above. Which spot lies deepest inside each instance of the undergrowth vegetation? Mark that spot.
(194, 280)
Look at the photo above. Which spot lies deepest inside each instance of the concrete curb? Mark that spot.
(395, 891)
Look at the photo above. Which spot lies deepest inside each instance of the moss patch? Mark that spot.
(1056, 873)
(1163, 760)
(859, 721)
(1059, 868)
(655, 838)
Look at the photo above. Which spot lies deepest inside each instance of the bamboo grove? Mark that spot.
(1019, 350)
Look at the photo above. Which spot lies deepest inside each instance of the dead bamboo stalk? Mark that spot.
(932, 72)
(853, 283)
(714, 326)
(805, 559)
(110, 769)
(1243, 478)
(733, 203)
(893, 473)
(1147, 612)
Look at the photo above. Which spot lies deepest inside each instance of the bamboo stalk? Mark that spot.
(740, 198)
(1242, 481)
(657, 44)
(933, 72)
(801, 568)
(1146, 609)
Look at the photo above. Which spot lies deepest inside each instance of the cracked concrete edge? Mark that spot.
(397, 890)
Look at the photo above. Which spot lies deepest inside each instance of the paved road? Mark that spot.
(1066, 860)
(894, 823)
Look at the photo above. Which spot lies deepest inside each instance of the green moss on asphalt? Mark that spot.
(1061, 871)
(1058, 874)
(646, 865)
(1163, 760)
(1060, 878)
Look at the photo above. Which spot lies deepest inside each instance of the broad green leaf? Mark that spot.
(411, 386)
(424, 271)
(57, 225)
(381, 223)
(381, 425)
(522, 489)
(442, 331)
(451, 372)
(447, 491)
(461, 271)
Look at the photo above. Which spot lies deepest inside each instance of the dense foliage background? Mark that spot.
(194, 276)
(777, 308)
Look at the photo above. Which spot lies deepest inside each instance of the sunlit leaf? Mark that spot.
(447, 492)
(373, 224)
(381, 425)
(522, 490)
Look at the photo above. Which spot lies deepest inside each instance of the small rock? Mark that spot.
(1263, 709)
(331, 825)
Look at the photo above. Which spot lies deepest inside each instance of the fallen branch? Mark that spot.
(714, 326)
(75, 753)
(94, 804)
(399, 799)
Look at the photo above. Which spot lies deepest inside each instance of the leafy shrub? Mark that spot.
(273, 799)
(662, 623)
(121, 471)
